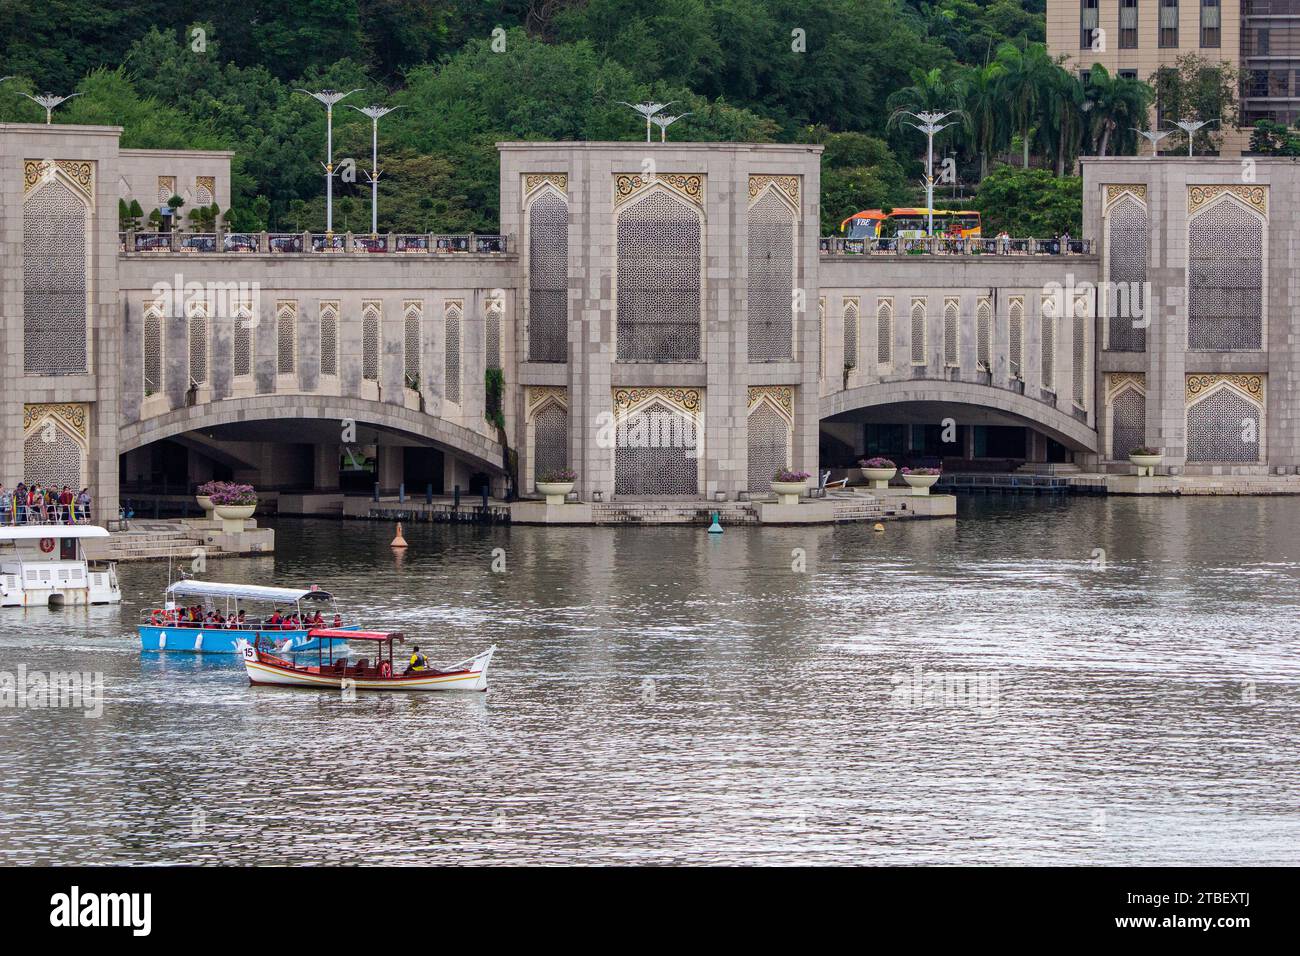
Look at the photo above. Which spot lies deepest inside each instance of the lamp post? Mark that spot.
(663, 122)
(929, 123)
(647, 110)
(1154, 136)
(374, 112)
(1190, 127)
(328, 98)
(49, 101)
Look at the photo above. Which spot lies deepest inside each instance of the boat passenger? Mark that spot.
(318, 620)
(418, 662)
(239, 619)
(274, 620)
(338, 620)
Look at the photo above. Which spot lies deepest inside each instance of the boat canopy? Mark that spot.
(37, 531)
(251, 592)
(337, 634)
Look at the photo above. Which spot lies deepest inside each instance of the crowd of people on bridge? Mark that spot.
(36, 503)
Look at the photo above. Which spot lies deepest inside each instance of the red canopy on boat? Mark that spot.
(338, 634)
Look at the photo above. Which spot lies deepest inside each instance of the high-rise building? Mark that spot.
(1260, 39)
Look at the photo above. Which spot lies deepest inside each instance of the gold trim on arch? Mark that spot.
(1116, 191)
(538, 395)
(1256, 197)
(71, 414)
(1250, 384)
(782, 396)
(690, 186)
(685, 399)
(787, 185)
(1117, 381)
(80, 171)
(533, 180)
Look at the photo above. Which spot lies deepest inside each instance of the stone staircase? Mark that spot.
(673, 512)
(153, 540)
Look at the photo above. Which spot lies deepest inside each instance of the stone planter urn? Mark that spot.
(205, 502)
(232, 516)
(555, 491)
(879, 477)
(1146, 464)
(788, 492)
(920, 484)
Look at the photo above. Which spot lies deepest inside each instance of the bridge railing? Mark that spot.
(940, 245)
(313, 242)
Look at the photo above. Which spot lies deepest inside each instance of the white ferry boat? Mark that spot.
(46, 566)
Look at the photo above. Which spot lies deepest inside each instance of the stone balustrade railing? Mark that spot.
(938, 245)
(311, 242)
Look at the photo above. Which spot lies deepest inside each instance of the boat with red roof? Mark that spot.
(330, 672)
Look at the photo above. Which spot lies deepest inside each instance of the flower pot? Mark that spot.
(555, 491)
(879, 477)
(232, 516)
(1146, 464)
(920, 484)
(205, 502)
(788, 492)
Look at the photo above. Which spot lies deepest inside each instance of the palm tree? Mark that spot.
(986, 109)
(1025, 79)
(930, 90)
(1118, 103)
(1063, 114)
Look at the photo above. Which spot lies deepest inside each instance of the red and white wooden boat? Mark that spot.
(265, 668)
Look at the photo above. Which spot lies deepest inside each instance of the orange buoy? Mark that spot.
(398, 540)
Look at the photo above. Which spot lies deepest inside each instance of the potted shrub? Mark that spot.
(878, 471)
(920, 479)
(203, 495)
(789, 485)
(556, 484)
(1146, 460)
(232, 504)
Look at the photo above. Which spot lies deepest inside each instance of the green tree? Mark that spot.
(1030, 202)
(1024, 84)
(1117, 106)
(1196, 88)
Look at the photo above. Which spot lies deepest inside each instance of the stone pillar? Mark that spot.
(325, 467)
(389, 459)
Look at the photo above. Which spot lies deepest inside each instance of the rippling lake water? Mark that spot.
(1091, 681)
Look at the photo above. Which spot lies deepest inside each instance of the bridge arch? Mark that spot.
(465, 443)
(1063, 427)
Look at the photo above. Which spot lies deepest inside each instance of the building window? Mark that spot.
(1261, 42)
(242, 360)
(412, 311)
(771, 278)
(1127, 226)
(153, 345)
(1088, 23)
(1128, 27)
(370, 314)
(1210, 23)
(885, 332)
(452, 317)
(198, 343)
(850, 313)
(918, 331)
(951, 326)
(286, 336)
(1047, 341)
(1016, 338)
(984, 335)
(1128, 74)
(1225, 249)
(329, 338)
(548, 277)
(658, 242)
(1168, 23)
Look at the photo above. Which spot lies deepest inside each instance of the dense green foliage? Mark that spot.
(471, 73)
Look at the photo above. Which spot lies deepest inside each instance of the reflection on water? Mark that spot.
(1088, 681)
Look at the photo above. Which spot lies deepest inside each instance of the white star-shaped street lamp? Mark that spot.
(328, 98)
(1153, 136)
(1190, 127)
(49, 101)
(647, 110)
(929, 123)
(375, 113)
(663, 122)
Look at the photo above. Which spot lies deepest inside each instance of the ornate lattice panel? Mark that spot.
(452, 316)
(1079, 359)
(371, 311)
(1047, 342)
(286, 336)
(53, 458)
(769, 445)
(54, 281)
(1016, 337)
(1225, 276)
(821, 337)
(153, 347)
(548, 275)
(659, 280)
(550, 439)
(329, 338)
(918, 331)
(850, 313)
(1127, 230)
(166, 189)
(656, 453)
(198, 344)
(984, 334)
(412, 312)
(951, 327)
(771, 279)
(242, 356)
(1223, 425)
(1128, 411)
(884, 331)
(205, 190)
(495, 310)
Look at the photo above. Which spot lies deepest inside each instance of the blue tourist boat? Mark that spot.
(219, 628)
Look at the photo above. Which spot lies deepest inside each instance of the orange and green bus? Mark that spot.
(911, 222)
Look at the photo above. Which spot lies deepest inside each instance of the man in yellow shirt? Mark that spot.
(418, 663)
